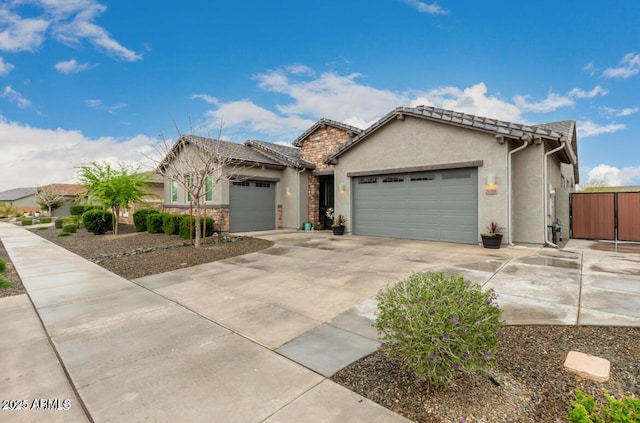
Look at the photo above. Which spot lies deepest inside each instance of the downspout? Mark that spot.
(546, 192)
(527, 141)
(298, 198)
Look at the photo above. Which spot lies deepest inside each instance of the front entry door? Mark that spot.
(326, 200)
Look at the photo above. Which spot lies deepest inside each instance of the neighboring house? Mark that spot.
(23, 200)
(70, 193)
(420, 173)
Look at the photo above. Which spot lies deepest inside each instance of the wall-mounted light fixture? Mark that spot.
(342, 189)
(491, 187)
(288, 192)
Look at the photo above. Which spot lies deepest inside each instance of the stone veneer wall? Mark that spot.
(220, 215)
(315, 149)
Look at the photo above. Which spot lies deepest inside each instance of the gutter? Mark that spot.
(527, 142)
(563, 139)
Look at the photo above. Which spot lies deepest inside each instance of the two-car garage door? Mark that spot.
(252, 206)
(436, 205)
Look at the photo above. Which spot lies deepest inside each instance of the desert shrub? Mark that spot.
(586, 410)
(140, 218)
(98, 221)
(155, 222)
(45, 219)
(439, 326)
(185, 229)
(171, 223)
(58, 224)
(70, 227)
(5, 283)
(26, 221)
(63, 233)
(3, 265)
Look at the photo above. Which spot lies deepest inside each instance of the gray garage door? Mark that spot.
(252, 206)
(437, 206)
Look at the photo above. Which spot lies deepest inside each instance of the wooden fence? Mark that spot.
(611, 216)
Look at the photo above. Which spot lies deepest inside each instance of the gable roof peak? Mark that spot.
(323, 123)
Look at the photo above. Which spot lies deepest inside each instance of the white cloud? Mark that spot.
(609, 111)
(5, 67)
(586, 128)
(71, 66)
(552, 102)
(99, 105)
(590, 67)
(431, 9)
(68, 21)
(18, 34)
(473, 100)
(15, 96)
(629, 66)
(206, 98)
(613, 176)
(597, 90)
(46, 156)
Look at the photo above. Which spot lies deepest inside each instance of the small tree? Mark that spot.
(114, 187)
(48, 199)
(594, 185)
(198, 164)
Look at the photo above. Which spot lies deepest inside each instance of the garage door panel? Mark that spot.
(252, 206)
(439, 206)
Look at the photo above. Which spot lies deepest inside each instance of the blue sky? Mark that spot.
(84, 80)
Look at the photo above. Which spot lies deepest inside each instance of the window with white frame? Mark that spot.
(174, 191)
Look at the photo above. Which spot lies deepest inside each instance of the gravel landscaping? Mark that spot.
(529, 383)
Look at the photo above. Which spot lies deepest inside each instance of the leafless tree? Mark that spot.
(48, 199)
(199, 164)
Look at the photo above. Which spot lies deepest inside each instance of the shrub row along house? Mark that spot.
(419, 173)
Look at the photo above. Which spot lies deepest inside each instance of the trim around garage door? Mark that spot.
(442, 166)
(434, 205)
(252, 205)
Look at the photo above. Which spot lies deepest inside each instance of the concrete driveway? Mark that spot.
(249, 339)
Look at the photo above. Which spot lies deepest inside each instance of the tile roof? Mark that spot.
(17, 193)
(231, 150)
(66, 189)
(288, 155)
(553, 131)
(348, 128)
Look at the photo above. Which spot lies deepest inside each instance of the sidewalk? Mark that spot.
(133, 355)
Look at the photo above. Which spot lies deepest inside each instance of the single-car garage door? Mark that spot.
(437, 205)
(252, 206)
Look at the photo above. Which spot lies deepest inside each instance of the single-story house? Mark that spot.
(22, 200)
(70, 194)
(419, 173)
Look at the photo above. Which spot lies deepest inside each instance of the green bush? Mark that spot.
(70, 227)
(155, 222)
(80, 209)
(26, 221)
(58, 223)
(171, 223)
(140, 218)
(5, 283)
(185, 229)
(98, 221)
(45, 219)
(3, 265)
(63, 233)
(585, 409)
(440, 326)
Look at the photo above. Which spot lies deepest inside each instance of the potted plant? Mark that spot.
(338, 222)
(493, 238)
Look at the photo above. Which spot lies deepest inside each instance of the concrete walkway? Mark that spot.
(249, 339)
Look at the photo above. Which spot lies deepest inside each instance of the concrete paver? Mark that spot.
(327, 349)
(30, 369)
(215, 340)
